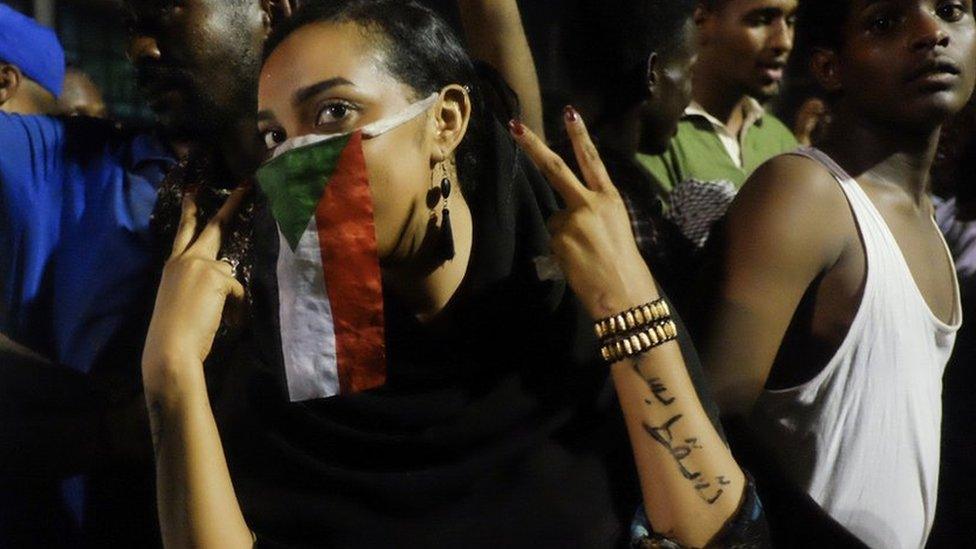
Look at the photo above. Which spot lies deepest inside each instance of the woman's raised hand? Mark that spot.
(592, 238)
(193, 292)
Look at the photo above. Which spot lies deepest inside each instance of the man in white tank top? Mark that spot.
(837, 303)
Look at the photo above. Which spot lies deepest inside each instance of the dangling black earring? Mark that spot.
(447, 231)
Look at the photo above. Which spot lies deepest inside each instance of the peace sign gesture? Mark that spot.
(193, 292)
(592, 238)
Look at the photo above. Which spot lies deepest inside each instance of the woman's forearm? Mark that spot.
(690, 483)
(197, 504)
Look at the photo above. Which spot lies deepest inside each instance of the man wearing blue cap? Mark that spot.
(76, 262)
(31, 65)
(78, 265)
(75, 197)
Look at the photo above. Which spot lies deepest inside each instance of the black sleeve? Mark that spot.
(55, 422)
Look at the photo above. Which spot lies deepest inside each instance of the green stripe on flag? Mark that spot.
(295, 182)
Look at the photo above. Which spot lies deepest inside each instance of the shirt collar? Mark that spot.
(754, 113)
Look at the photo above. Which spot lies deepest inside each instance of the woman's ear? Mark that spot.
(451, 117)
(824, 67)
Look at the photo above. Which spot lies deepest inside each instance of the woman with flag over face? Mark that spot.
(427, 363)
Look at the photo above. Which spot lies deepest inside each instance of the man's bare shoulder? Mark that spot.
(790, 177)
(794, 201)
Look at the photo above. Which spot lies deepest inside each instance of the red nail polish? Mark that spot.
(516, 127)
(571, 113)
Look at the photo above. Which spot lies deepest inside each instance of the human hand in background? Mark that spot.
(810, 122)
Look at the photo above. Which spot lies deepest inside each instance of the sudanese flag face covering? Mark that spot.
(329, 285)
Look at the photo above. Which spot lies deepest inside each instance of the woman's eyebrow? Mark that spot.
(303, 94)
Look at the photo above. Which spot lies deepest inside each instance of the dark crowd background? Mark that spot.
(94, 39)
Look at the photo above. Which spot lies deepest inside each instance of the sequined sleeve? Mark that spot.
(747, 529)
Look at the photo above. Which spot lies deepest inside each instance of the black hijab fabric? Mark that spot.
(498, 426)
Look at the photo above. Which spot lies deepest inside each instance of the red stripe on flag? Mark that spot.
(347, 237)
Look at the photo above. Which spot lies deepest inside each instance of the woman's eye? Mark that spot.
(333, 113)
(273, 138)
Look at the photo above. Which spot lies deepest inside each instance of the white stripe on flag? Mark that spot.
(307, 329)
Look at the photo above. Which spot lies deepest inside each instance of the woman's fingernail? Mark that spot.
(571, 114)
(516, 126)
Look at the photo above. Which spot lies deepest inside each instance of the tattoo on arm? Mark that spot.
(658, 389)
(709, 492)
(702, 489)
(156, 421)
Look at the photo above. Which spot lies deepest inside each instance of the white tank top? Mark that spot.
(862, 437)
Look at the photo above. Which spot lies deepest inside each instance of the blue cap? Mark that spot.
(33, 49)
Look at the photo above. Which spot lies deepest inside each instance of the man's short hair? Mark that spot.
(820, 23)
(607, 43)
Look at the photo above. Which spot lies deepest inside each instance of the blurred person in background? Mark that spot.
(726, 132)
(743, 49)
(81, 96)
(955, 212)
(630, 68)
(811, 121)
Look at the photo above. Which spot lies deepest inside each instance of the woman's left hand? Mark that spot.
(592, 238)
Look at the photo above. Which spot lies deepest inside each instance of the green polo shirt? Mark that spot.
(698, 151)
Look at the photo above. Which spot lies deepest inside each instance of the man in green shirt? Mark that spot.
(725, 133)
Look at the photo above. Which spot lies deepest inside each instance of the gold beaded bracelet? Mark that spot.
(639, 342)
(633, 319)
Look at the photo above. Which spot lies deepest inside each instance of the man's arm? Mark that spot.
(49, 425)
(789, 224)
(52, 424)
(495, 35)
